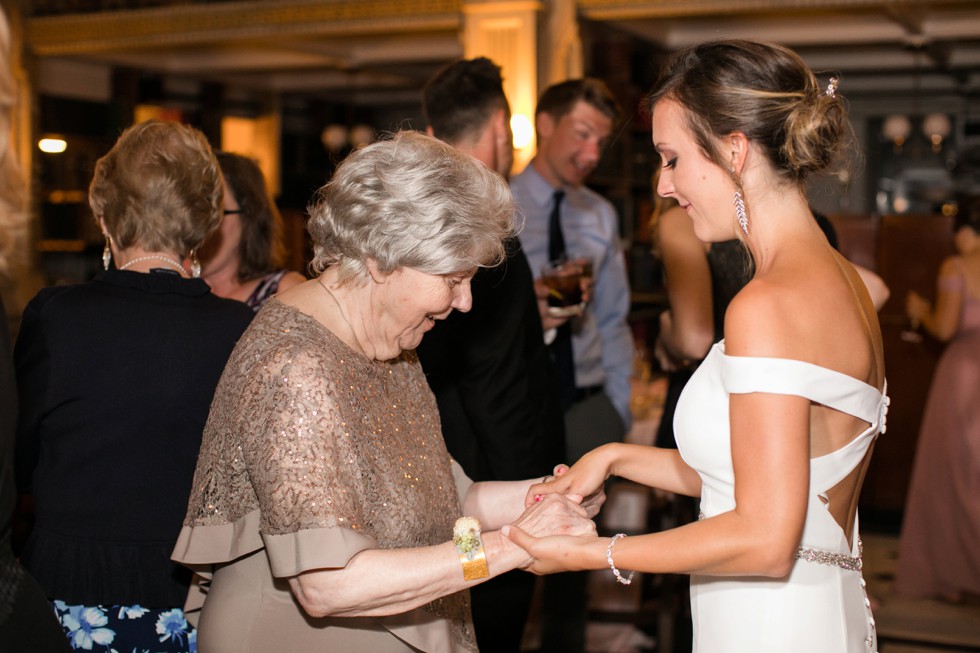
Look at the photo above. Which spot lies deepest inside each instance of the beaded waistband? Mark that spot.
(850, 563)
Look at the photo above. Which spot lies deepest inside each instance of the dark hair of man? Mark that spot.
(559, 99)
(460, 99)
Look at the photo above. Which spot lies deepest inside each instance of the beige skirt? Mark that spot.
(247, 610)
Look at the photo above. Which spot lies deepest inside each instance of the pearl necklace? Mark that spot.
(342, 315)
(174, 263)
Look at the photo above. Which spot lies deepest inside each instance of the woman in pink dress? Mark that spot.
(938, 551)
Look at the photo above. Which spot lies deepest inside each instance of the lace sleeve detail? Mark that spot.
(298, 454)
(316, 453)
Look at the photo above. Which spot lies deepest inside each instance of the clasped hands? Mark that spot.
(557, 520)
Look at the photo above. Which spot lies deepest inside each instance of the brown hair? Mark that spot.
(460, 99)
(260, 249)
(967, 213)
(158, 187)
(762, 90)
(559, 99)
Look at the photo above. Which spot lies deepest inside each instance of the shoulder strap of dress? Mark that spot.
(745, 374)
(955, 283)
(267, 287)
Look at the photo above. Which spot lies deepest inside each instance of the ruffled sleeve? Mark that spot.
(278, 469)
(316, 454)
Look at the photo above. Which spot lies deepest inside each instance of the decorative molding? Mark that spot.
(195, 24)
(501, 6)
(627, 9)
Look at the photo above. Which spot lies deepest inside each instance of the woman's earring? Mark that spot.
(743, 220)
(106, 254)
(195, 265)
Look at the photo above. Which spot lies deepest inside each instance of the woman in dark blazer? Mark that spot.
(116, 377)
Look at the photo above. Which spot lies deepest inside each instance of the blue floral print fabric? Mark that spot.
(126, 629)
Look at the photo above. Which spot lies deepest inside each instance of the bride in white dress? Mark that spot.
(776, 427)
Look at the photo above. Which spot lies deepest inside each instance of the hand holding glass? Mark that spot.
(567, 280)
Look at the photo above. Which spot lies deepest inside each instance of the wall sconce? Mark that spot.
(936, 127)
(361, 135)
(522, 129)
(897, 129)
(334, 137)
(52, 144)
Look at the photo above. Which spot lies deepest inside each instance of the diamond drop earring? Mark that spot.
(106, 254)
(743, 220)
(195, 265)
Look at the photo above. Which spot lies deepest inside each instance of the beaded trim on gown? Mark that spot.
(822, 605)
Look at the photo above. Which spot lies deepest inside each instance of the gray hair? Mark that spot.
(411, 201)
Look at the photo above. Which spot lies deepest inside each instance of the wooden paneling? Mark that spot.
(909, 249)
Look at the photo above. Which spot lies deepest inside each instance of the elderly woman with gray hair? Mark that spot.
(326, 513)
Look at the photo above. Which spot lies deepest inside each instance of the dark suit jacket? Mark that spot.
(493, 378)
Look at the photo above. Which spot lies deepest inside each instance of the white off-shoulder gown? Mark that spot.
(819, 607)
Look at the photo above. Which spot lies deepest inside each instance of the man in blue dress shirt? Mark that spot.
(574, 120)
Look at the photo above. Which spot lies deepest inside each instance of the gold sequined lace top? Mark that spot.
(306, 436)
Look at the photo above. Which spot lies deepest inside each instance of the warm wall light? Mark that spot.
(361, 135)
(897, 128)
(256, 138)
(334, 137)
(523, 130)
(52, 145)
(936, 127)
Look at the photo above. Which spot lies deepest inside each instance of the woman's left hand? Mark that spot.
(582, 482)
(554, 553)
(554, 515)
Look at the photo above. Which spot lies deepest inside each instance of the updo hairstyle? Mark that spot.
(158, 187)
(762, 90)
(411, 201)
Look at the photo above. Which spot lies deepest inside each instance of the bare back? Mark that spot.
(812, 306)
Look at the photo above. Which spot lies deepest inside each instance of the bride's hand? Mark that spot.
(582, 482)
(554, 553)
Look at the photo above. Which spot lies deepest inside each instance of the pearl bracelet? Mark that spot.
(612, 565)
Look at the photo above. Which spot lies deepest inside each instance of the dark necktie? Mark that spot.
(561, 348)
(556, 240)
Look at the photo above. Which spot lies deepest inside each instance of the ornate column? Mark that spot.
(561, 51)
